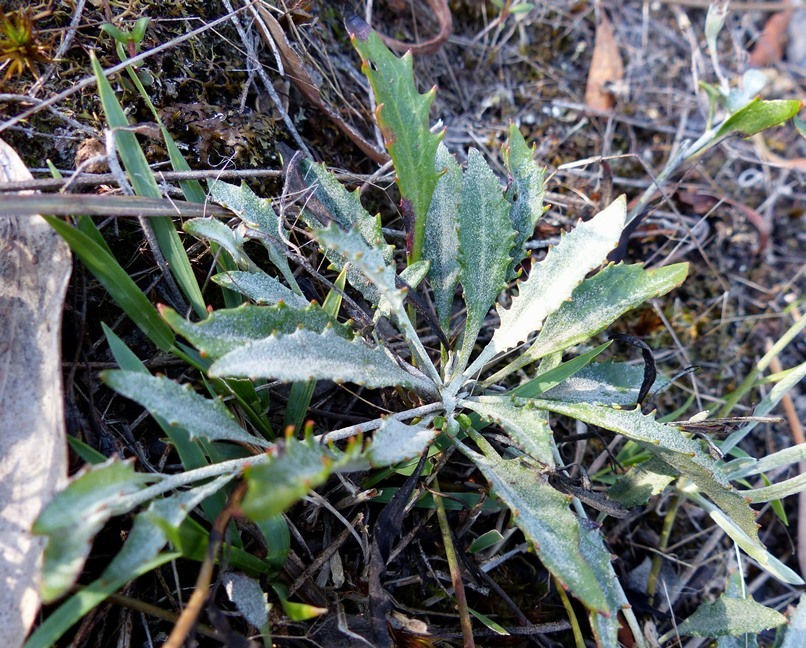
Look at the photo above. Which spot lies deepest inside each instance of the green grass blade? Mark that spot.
(144, 184)
(117, 282)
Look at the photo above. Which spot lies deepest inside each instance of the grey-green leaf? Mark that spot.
(669, 445)
(260, 288)
(554, 279)
(730, 616)
(212, 229)
(180, 405)
(525, 425)
(394, 442)
(76, 514)
(227, 329)
(441, 246)
(258, 214)
(525, 193)
(366, 258)
(596, 303)
(542, 513)
(305, 355)
(485, 240)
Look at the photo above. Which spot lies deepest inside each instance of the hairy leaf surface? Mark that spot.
(305, 355)
(485, 240)
(525, 193)
(227, 329)
(441, 240)
(180, 405)
(260, 288)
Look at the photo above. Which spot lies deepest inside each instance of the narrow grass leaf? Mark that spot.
(117, 282)
(144, 184)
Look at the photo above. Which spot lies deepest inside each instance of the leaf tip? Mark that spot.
(356, 26)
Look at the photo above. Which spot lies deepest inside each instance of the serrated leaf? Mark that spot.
(554, 279)
(441, 245)
(227, 329)
(542, 513)
(605, 626)
(366, 258)
(600, 300)
(76, 514)
(179, 405)
(527, 427)
(294, 469)
(596, 303)
(525, 193)
(213, 230)
(260, 288)
(341, 206)
(641, 482)
(394, 442)
(258, 214)
(669, 445)
(730, 617)
(485, 240)
(305, 355)
(403, 118)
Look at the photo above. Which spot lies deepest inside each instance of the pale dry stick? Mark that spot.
(91, 80)
(201, 591)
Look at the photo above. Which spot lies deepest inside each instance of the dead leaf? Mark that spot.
(442, 12)
(769, 48)
(34, 270)
(606, 66)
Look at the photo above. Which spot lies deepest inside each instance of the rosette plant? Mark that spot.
(467, 316)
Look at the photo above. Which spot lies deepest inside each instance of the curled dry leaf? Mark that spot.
(606, 66)
(431, 46)
(34, 269)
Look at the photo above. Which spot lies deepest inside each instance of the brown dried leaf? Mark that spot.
(770, 45)
(34, 269)
(606, 67)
